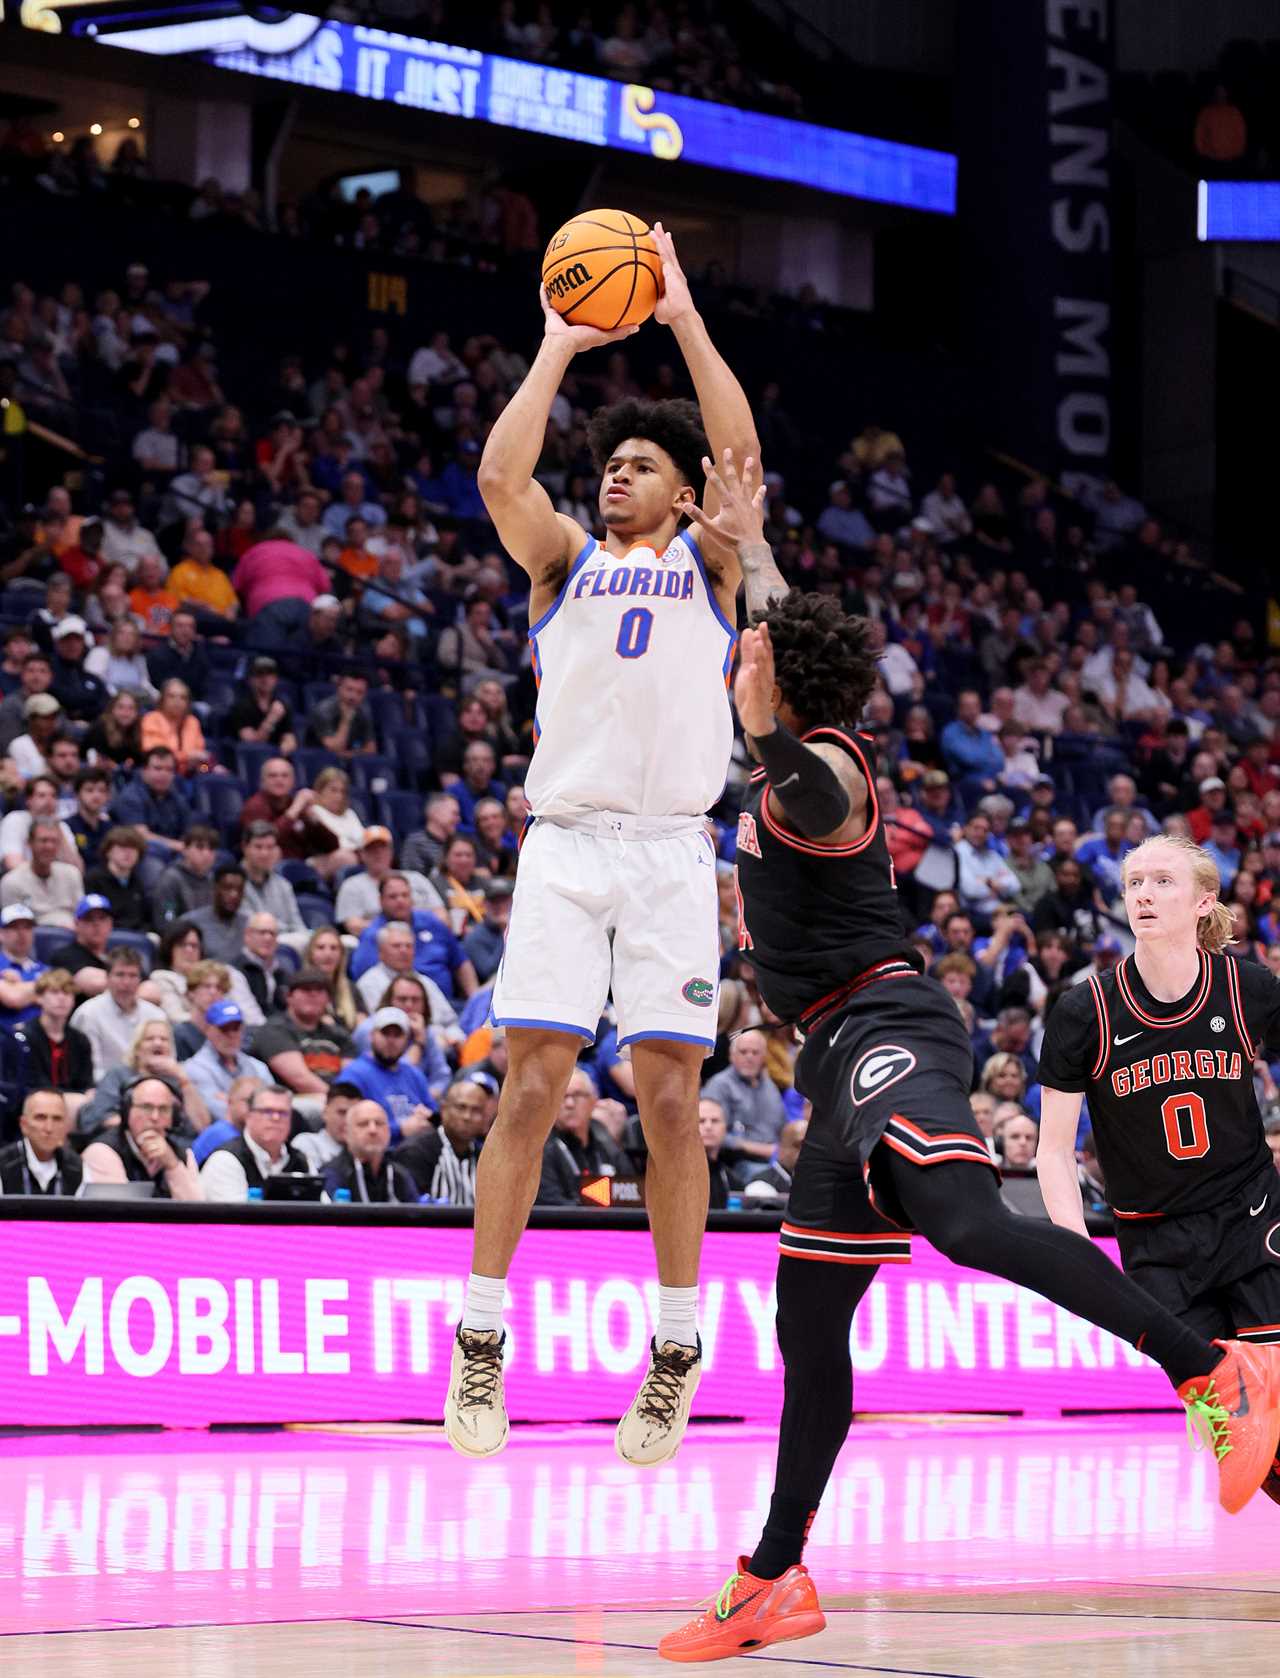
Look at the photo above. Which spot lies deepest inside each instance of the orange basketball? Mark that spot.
(602, 269)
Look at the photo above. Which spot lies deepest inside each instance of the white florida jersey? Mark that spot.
(632, 662)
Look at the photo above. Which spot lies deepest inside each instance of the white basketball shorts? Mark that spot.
(614, 902)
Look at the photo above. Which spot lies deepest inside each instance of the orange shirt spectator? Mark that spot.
(358, 562)
(1221, 134)
(155, 607)
(175, 725)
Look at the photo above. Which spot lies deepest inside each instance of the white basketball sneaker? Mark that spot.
(475, 1411)
(651, 1431)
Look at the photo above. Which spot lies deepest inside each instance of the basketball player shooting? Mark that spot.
(892, 1146)
(1163, 1047)
(633, 640)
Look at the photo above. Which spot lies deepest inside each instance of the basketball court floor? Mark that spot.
(952, 1550)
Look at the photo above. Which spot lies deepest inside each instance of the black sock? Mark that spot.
(958, 1209)
(815, 1309)
(782, 1543)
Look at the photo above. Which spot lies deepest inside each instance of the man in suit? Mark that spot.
(40, 1162)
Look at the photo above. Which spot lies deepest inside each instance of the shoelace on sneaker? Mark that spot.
(481, 1372)
(1208, 1422)
(660, 1395)
(724, 1600)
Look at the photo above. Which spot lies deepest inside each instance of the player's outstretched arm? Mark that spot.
(1056, 1158)
(533, 533)
(739, 524)
(726, 413)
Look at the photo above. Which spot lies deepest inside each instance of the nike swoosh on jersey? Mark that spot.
(1254, 1210)
(1121, 1041)
(837, 1032)
(794, 776)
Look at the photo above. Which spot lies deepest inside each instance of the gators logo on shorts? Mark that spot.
(878, 1069)
(701, 992)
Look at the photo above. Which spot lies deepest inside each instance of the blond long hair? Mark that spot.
(1214, 927)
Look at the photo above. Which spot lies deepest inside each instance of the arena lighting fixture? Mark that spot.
(95, 128)
(135, 122)
(57, 137)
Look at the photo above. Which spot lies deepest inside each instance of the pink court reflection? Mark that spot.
(188, 1529)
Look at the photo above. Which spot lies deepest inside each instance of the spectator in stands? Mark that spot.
(304, 1051)
(265, 974)
(985, 877)
(460, 884)
(303, 524)
(1034, 876)
(352, 502)
(50, 888)
(223, 922)
(85, 957)
(843, 523)
(119, 664)
(36, 678)
(143, 1149)
(115, 739)
(1070, 907)
(150, 803)
(150, 598)
(712, 1129)
(327, 953)
(358, 903)
(424, 851)
(1015, 1138)
(110, 1019)
(263, 1151)
(77, 689)
(343, 725)
(443, 1160)
(577, 1146)
(28, 752)
(214, 1068)
(284, 807)
(260, 716)
(56, 1054)
(973, 755)
(175, 726)
(774, 1182)
(181, 655)
(1103, 855)
(198, 492)
(363, 1167)
(438, 954)
(117, 877)
(151, 1052)
(40, 1162)
(187, 884)
(395, 945)
(484, 943)
(124, 541)
(946, 512)
(1037, 704)
(276, 569)
(323, 1146)
(385, 1074)
(40, 798)
(19, 969)
(266, 891)
(199, 584)
(751, 1101)
(1221, 135)
(228, 1129)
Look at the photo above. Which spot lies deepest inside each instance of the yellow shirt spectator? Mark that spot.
(204, 585)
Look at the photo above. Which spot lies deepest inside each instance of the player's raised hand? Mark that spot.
(675, 300)
(578, 338)
(741, 513)
(755, 684)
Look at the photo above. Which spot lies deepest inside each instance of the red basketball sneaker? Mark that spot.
(748, 1614)
(1235, 1410)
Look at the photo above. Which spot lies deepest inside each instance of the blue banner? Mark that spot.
(538, 99)
(1239, 210)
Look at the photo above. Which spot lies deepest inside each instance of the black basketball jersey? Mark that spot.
(1169, 1084)
(812, 918)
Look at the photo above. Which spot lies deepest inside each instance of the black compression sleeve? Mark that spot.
(804, 784)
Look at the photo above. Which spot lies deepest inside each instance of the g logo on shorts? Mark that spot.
(878, 1069)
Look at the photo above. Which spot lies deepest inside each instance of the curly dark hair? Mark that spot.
(823, 658)
(674, 425)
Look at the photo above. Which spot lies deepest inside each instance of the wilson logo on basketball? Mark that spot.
(569, 279)
(878, 1070)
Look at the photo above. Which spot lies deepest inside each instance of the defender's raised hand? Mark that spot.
(755, 683)
(741, 514)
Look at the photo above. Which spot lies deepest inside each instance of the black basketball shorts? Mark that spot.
(1218, 1270)
(890, 1070)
